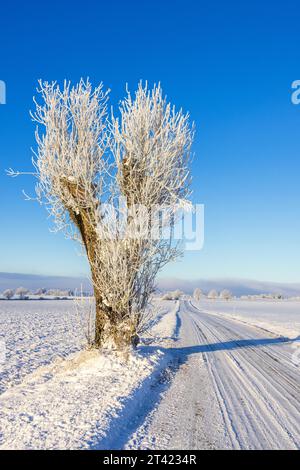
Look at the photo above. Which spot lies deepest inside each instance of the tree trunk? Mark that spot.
(100, 322)
(111, 328)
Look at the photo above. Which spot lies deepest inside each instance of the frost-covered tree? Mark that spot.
(213, 294)
(173, 295)
(278, 296)
(197, 294)
(8, 294)
(40, 291)
(58, 292)
(86, 164)
(226, 294)
(21, 292)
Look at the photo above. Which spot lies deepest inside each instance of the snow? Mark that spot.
(211, 375)
(35, 333)
(281, 317)
(253, 376)
(235, 387)
(72, 401)
(70, 405)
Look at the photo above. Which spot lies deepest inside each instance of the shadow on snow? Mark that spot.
(137, 407)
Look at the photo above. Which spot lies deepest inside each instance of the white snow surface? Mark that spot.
(212, 374)
(35, 333)
(281, 317)
(54, 398)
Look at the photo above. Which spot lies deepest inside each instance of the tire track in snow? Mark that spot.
(256, 386)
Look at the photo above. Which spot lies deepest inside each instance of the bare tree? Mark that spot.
(8, 294)
(22, 292)
(173, 295)
(226, 294)
(213, 294)
(40, 291)
(86, 164)
(197, 294)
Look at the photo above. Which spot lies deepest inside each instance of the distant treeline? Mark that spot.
(24, 294)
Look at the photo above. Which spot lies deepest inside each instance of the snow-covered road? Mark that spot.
(237, 388)
(206, 378)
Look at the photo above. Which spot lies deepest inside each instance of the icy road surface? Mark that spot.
(249, 398)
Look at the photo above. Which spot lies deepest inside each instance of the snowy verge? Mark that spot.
(165, 328)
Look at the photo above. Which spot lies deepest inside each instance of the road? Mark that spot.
(236, 387)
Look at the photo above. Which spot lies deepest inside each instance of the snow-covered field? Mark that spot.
(281, 317)
(211, 375)
(36, 333)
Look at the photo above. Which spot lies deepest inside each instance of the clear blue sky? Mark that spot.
(231, 64)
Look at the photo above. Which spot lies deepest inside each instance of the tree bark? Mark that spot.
(110, 326)
(85, 221)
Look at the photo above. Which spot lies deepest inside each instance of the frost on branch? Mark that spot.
(86, 163)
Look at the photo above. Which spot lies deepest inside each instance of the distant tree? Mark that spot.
(22, 292)
(177, 294)
(40, 291)
(278, 296)
(197, 294)
(174, 295)
(213, 294)
(58, 292)
(8, 294)
(226, 294)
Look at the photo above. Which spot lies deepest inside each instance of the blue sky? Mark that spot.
(231, 64)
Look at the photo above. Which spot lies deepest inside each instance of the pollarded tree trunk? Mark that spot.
(85, 221)
(100, 320)
(111, 328)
